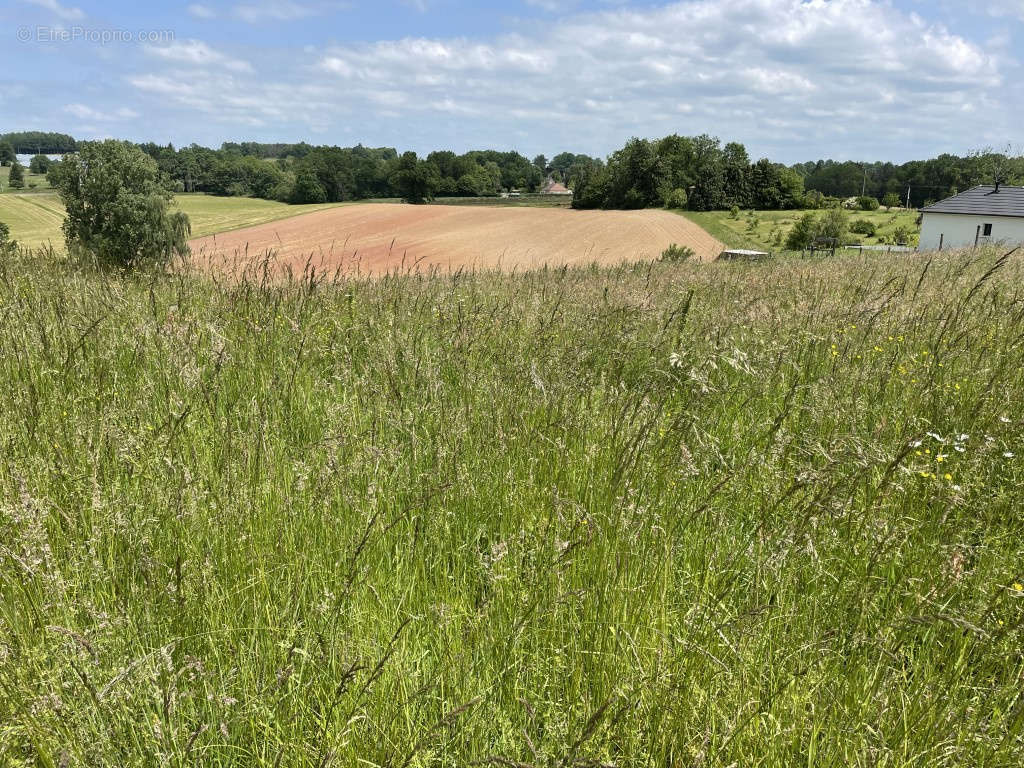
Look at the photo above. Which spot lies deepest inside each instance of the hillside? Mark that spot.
(716, 514)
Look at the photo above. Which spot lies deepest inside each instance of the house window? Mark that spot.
(986, 230)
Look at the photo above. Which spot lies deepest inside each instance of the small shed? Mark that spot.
(984, 214)
(740, 253)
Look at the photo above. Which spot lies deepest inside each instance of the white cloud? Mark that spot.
(553, 6)
(1012, 8)
(842, 77)
(84, 112)
(62, 11)
(202, 11)
(282, 10)
(196, 52)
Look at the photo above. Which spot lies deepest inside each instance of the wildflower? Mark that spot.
(1008, 454)
(948, 477)
(1018, 587)
(936, 437)
(915, 443)
(940, 458)
(1004, 420)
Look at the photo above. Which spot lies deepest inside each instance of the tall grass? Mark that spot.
(657, 515)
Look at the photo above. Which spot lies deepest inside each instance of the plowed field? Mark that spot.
(376, 238)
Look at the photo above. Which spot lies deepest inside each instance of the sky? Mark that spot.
(794, 80)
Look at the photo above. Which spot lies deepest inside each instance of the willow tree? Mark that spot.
(118, 207)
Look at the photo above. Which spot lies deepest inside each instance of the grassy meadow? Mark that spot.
(672, 515)
(767, 230)
(33, 182)
(36, 219)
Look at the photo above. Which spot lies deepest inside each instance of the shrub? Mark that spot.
(677, 199)
(803, 232)
(834, 225)
(7, 246)
(891, 200)
(284, 190)
(117, 207)
(308, 189)
(17, 178)
(676, 253)
(39, 164)
(901, 236)
(814, 200)
(867, 203)
(734, 212)
(864, 227)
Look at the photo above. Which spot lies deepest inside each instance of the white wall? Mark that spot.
(959, 230)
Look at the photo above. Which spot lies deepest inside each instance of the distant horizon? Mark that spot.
(890, 80)
(23, 157)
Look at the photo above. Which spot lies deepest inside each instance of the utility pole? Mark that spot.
(908, 196)
(864, 186)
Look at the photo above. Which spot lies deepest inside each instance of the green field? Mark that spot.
(33, 182)
(770, 228)
(659, 515)
(36, 219)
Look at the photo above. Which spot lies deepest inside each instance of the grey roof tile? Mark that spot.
(983, 201)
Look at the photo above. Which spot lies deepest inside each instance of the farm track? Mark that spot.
(376, 238)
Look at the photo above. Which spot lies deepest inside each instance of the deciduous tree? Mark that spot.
(118, 209)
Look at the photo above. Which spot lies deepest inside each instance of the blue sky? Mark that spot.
(792, 79)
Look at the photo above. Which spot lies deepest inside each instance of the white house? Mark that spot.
(979, 215)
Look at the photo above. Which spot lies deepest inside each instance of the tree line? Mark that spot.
(39, 142)
(316, 174)
(698, 173)
(926, 180)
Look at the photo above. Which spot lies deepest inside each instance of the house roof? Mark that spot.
(983, 201)
(554, 186)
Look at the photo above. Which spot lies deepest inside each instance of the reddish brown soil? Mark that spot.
(378, 237)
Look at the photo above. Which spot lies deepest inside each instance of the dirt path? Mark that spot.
(378, 237)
